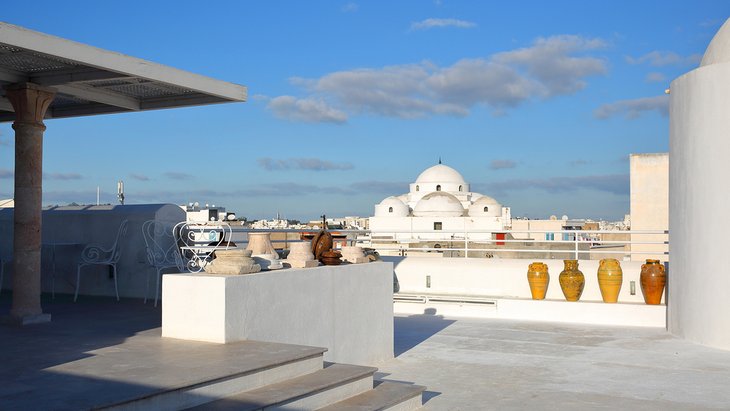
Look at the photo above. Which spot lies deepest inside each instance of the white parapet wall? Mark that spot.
(347, 309)
(498, 288)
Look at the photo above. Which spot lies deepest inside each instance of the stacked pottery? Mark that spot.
(300, 256)
(232, 261)
(571, 280)
(610, 277)
(263, 251)
(353, 255)
(538, 278)
(331, 257)
(652, 280)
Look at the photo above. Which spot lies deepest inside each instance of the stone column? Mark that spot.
(30, 102)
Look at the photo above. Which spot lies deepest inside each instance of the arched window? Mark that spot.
(459, 188)
(438, 187)
(417, 188)
(390, 209)
(486, 209)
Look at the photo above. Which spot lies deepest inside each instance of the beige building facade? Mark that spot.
(649, 203)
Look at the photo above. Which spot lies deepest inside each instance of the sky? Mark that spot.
(537, 104)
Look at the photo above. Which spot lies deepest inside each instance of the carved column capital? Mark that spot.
(30, 102)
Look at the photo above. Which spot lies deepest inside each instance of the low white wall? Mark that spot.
(348, 309)
(491, 277)
(85, 225)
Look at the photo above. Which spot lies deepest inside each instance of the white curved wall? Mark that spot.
(699, 199)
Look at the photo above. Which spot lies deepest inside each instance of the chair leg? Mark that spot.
(157, 289)
(78, 281)
(147, 287)
(2, 274)
(116, 289)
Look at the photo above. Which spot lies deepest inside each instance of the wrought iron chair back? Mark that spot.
(162, 250)
(98, 255)
(198, 242)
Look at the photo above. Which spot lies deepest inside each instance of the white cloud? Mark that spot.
(350, 7)
(434, 23)
(632, 109)
(313, 164)
(310, 110)
(139, 177)
(502, 164)
(551, 62)
(655, 77)
(176, 175)
(664, 58)
(550, 67)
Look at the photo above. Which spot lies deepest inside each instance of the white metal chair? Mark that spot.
(198, 242)
(97, 255)
(160, 240)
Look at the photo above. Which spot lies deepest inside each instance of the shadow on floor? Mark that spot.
(74, 330)
(415, 329)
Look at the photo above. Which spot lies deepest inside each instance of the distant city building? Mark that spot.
(438, 205)
(200, 214)
(649, 202)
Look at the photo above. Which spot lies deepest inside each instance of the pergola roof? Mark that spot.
(91, 81)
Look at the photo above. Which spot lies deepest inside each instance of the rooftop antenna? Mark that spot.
(439, 159)
(120, 191)
(97, 195)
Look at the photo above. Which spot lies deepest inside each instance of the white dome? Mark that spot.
(440, 174)
(719, 49)
(485, 206)
(392, 207)
(438, 204)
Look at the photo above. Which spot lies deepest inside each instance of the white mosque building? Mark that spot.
(439, 206)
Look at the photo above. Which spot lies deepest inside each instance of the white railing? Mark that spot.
(582, 242)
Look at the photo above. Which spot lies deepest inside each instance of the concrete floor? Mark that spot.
(467, 364)
(491, 364)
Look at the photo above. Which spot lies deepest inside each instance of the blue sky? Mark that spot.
(538, 106)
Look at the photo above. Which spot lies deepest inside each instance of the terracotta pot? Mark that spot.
(652, 280)
(538, 278)
(572, 280)
(321, 242)
(331, 257)
(610, 277)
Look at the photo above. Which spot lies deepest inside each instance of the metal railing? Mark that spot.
(469, 243)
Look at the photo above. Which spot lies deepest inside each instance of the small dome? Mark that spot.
(440, 174)
(438, 204)
(391, 207)
(485, 206)
(719, 49)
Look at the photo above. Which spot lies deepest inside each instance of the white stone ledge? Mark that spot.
(585, 312)
(347, 309)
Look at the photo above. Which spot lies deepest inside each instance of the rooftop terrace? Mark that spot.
(465, 363)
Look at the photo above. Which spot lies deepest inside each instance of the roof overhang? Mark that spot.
(92, 81)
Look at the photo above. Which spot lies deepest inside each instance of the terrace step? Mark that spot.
(211, 373)
(308, 392)
(388, 395)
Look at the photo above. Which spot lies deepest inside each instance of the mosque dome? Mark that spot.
(440, 204)
(440, 174)
(719, 49)
(485, 206)
(392, 207)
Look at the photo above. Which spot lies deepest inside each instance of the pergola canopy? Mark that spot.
(89, 80)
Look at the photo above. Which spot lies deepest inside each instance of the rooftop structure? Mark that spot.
(43, 76)
(438, 203)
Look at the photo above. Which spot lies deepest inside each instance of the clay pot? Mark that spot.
(263, 251)
(610, 277)
(572, 280)
(232, 261)
(538, 278)
(321, 242)
(652, 280)
(331, 257)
